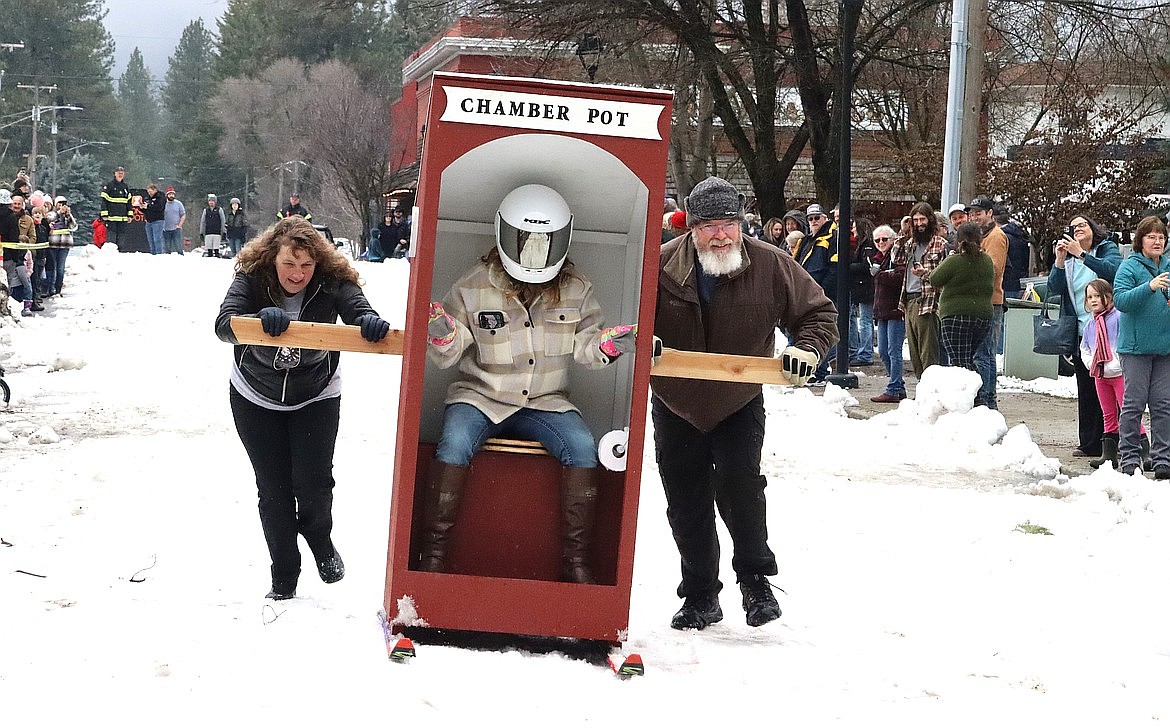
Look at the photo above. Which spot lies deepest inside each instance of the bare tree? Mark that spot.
(347, 128)
(1092, 169)
(322, 120)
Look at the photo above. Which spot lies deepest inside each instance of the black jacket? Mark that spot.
(237, 224)
(10, 233)
(290, 210)
(156, 205)
(325, 300)
(1019, 255)
(860, 279)
(115, 201)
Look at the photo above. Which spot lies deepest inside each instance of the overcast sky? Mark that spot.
(155, 28)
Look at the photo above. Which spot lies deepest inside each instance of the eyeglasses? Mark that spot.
(713, 228)
(882, 239)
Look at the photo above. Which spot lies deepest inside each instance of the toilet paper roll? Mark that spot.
(611, 449)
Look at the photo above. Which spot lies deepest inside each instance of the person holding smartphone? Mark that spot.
(1084, 253)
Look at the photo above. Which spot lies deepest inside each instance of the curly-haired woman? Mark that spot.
(286, 400)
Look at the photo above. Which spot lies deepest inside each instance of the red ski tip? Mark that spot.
(629, 668)
(402, 651)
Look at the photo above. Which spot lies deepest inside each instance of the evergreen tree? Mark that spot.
(79, 179)
(141, 114)
(65, 45)
(256, 33)
(194, 134)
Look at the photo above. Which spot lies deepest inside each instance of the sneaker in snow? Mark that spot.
(697, 613)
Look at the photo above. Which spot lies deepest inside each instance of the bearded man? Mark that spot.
(920, 251)
(721, 291)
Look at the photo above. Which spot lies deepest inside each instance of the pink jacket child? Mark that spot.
(1099, 354)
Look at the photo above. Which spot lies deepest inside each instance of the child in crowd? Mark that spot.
(1099, 353)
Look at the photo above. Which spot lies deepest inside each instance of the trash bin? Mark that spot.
(1018, 358)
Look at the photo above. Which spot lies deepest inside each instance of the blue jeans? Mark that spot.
(890, 335)
(154, 236)
(823, 369)
(861, 332)
(985, 359)
(173, 241)
(564, 434)
(235, 244)
(58, 255)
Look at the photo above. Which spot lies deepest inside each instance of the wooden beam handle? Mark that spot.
(672, 363)
(312, 335)
(719, 367)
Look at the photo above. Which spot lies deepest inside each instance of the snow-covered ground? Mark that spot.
(937, 569)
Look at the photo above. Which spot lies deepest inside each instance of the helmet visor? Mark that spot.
(533, 250)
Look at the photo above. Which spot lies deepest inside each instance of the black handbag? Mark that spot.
(1054, 335)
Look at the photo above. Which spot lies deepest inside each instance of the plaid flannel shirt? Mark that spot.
(936, 250)
(512, 357)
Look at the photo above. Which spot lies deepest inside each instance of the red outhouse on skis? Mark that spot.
(604, 149)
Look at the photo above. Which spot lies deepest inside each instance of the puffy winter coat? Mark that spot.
(266, 368)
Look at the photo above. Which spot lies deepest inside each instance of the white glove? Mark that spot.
(799, 364)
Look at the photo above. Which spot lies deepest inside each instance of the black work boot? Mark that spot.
(758, 600)
(284, 586)
(1108, 451)
(1144, 450)
(444, 493)
(578, 506)
(331, 568)
(697, 612)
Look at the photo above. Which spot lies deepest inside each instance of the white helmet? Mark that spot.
(534, 227)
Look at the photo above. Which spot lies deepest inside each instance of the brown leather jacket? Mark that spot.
(770, 290)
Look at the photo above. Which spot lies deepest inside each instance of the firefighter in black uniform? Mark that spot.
(115, 211)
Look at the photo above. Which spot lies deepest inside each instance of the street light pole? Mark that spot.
(849, 15)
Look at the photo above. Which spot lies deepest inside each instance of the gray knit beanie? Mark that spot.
(713, 199)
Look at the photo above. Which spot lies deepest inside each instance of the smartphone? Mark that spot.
(1069, 232)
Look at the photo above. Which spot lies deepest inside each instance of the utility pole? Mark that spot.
(972, 98)
(954, 126)
(36, 121)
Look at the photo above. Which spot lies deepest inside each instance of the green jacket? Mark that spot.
(967, 285)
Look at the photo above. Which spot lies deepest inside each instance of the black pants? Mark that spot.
(702, 471)
(116, 233)
(292, 454)
(1090, 421)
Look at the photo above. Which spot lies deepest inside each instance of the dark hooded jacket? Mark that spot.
(800, 218)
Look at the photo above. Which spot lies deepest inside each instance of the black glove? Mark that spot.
(373, 327)
(274, 320)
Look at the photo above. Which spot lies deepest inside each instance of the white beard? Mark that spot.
(721, 264)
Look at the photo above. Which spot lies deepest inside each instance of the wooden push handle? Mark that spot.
(719, 367)
(311, 335)
(672, 363)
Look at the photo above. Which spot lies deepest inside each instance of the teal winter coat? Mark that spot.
(1145, 314)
